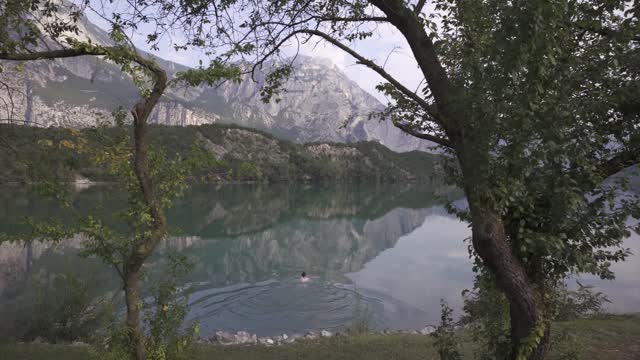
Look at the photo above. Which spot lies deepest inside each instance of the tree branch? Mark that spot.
(418, 8)
(407, 128)
(352, 19)
(607, 32)
(52, 54)
(430, 109)
(446, 95)
(620, 162)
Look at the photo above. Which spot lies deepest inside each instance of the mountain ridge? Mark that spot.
(316, 106)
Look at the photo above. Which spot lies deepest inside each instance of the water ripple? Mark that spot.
(270, 307)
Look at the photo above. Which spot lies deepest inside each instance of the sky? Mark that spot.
(387, 47)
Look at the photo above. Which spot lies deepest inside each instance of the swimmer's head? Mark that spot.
(304, 274)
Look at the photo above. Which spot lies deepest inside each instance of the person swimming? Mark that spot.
(303, 277)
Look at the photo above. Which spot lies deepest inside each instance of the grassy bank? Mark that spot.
(610, 338)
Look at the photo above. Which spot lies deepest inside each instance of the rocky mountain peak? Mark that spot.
(320, 102)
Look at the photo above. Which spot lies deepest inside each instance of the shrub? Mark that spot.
(581, 302)
(445, 338)
(57, 308)
(163, 318)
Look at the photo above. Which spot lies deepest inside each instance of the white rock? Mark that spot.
(325, 333)
(243, 337)
(224, 338)
(266, 341)
(428, 330)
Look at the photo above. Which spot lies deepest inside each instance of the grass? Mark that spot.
(608, 338)
(611, 337)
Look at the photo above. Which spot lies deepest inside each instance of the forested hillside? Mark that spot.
(236, 154)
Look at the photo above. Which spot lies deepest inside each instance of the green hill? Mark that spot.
(242, 154)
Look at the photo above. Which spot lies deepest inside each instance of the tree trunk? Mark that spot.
(491, 244)
(145, 248)
(520, 330)
(132, 298)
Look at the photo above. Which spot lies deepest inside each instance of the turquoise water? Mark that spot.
(391, 252)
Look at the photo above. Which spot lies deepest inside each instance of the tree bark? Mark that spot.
(491, 244)
(132, 299)
(145, 248)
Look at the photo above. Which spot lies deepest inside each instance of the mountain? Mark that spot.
(319, 100)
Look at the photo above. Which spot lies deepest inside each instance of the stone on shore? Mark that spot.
(428, 330)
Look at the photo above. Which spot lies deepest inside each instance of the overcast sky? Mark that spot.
(385, 47)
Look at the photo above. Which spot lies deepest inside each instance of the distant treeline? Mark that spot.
(237, 154)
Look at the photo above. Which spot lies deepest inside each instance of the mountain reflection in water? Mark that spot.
(390, 250)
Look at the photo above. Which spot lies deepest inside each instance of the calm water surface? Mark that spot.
(392, 250)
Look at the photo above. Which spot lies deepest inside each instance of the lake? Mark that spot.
(390, 251)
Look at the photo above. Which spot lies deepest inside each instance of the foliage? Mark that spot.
(567, 346)
(486, 314)
(445, 338)
(50, 157)
(115, 344)
(165, 316)
(55, 308)
(166, 338)
(248, 171)
(573, 304)
(549, 124)
(111, 150)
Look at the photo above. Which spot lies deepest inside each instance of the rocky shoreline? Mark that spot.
(245, 338)
(240, 338)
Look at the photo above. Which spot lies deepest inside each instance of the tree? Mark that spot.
(533, 100)
(42, 30)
